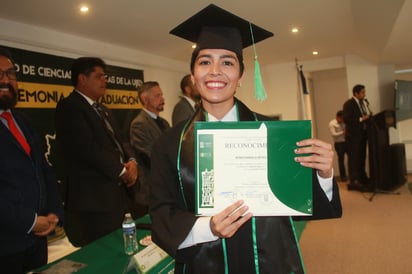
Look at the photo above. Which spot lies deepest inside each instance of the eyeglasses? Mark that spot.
(100, 76)
(11, 74)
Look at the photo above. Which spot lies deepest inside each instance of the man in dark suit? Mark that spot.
(356, 114)
(185, 108)
(30, 205)
(145, 129)
(100, 168)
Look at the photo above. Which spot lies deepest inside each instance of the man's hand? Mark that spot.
(45, 224)
(365, 117)
(130, 176)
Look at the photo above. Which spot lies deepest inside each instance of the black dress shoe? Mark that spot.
(368, 188)
(358, 186)
(355, 186)
(355, 182)
(366, 180)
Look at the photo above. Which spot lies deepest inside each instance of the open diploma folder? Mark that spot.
(254, 162)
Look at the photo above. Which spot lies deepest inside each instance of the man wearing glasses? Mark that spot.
(30, 205)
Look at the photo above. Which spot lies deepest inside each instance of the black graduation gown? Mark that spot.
(172, 213)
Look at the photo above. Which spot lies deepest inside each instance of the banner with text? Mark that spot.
(44, 79)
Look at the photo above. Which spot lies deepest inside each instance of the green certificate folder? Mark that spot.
(252, 161)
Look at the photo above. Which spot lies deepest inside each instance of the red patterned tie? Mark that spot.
(16, 132)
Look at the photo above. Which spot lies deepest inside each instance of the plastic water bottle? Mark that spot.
(129, 235)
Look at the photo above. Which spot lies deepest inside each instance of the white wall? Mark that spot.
(282, 89)
(280, 80)
(166, 71)
(282, 86)
(403, 133)
(329, 92)
(359, 71)
(386, 83)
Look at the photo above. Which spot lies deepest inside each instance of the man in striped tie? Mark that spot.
(100, 167)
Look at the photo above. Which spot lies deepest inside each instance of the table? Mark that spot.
(105, 255)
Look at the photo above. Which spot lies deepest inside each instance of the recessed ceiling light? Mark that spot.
(193, 46)
(295, 30)
(315, 52)
(84, 9)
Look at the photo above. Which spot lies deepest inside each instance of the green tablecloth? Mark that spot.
(105, 255)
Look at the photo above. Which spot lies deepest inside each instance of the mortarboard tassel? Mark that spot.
(260, 92)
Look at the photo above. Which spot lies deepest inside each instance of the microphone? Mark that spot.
(367, 106)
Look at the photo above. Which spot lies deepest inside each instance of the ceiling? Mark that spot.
(377, 30)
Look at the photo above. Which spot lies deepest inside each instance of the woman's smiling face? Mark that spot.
(216, 75)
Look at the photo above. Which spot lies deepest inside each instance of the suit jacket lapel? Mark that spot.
(85, 105)
(92, 112)
(188, 105)
(6, 134)
(151, 123)
(356, 107)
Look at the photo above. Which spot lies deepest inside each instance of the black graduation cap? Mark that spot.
(214, 27)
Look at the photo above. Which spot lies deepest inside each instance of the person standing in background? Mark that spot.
(356, 115)
(100, 168)
(185, 108)
(30, 204)
(145, 129)
(337, 130)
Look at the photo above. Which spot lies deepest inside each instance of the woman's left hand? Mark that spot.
(320, 158)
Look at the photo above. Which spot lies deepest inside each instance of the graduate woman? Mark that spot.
(232, 241)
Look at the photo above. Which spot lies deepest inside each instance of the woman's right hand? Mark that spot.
(226, 223)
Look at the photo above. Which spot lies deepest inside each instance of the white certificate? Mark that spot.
(232, 164)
